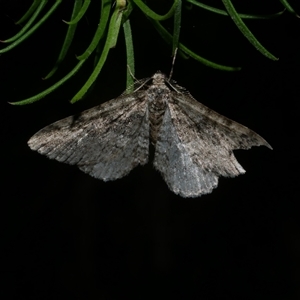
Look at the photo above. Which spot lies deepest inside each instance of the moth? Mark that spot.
(193, 144)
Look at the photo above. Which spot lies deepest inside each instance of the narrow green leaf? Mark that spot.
(289, 8)
(76, 18)
(50, 89)
(130, 56)
(28, 24)
(116, 20)
(33, 29)
(245, 31)
(153, 15)
(29, 12)
(168, 37)
(105, 12)
(68, 39)
(177, 25)
(224, 13)
(127, 11)
(113, 31)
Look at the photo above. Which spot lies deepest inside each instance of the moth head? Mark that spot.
(159, 78)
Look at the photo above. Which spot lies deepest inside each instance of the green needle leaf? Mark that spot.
(177, 25)
(224, 13)
(127, 11)
(130, 56)
(28, 24)
(105, 12)
(50, 89)
(67, 41)
(29, 12)
(112, 34)
(153, 15)
(168, 37)
(76, 18)
(245, 31)
(116, 20)
(33, 29)
(289, 8)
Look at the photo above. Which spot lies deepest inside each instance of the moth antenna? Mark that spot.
(129, 70)
(173, 62)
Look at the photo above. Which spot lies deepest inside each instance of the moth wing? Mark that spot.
(173, 159)
(195, 144)
(106, 141)
(237, 135)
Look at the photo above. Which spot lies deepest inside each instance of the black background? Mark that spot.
(67, 235)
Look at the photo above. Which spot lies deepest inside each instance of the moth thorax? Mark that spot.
(156, 113)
